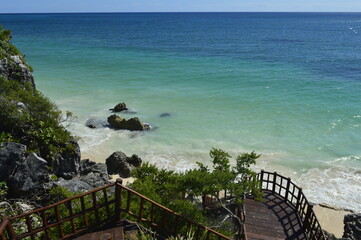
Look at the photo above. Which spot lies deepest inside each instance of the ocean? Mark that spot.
(286, 85)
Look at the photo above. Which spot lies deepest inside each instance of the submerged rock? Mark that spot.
(119, 163)
(95, 123)
(165, 115)
(132, 124)
(119, 107)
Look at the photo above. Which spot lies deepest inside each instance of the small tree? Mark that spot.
(173, 189)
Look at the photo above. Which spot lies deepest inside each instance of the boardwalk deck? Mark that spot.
(119, 230)
(272, 219)
(115, 233)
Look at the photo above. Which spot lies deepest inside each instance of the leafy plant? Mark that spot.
(188, 193)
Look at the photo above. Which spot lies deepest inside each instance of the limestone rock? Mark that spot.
(67, 164)
(120, 107)
(29, 177)
(352, 228)
(15, 68)
(135, 160)
(74, 185)
(133, 124)
(94, 174)
(11, 154)
(119, 163)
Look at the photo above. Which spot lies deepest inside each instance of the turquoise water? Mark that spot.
(285, 85)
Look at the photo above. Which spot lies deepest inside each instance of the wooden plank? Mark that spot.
(272, 219)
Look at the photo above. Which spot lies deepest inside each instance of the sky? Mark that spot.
(46, 6)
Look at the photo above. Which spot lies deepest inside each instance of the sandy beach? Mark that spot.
(331, 219)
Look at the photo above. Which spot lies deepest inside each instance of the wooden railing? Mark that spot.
(82, 213)
(293, 195)
(163, 220)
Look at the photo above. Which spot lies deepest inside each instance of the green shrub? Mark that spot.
(38, 125)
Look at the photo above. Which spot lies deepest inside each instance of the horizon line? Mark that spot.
(183, 12)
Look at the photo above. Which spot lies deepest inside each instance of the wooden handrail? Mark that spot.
(293, 195)
(176, 217)
(54, 222)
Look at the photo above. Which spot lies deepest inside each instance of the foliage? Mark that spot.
(3, 190)
(181, 192)
(6, 48)
(36, 124)
(59, 193)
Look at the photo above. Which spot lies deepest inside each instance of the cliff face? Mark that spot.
(14, 68)
(34, 123)
(13, 65)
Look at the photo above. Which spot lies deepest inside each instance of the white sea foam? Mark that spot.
(335, 185)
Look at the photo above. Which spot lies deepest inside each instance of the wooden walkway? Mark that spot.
(272, 219)
(120, 230)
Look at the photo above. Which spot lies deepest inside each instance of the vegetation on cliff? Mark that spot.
(26, 115)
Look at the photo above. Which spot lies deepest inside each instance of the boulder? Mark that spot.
(15, 68)
(133, 124)
(95, 123)
(115, 121)
(74, 185)
(119, 107)
(94, 174)
(29, 177)
(119, 163)
(135, 160)
(67, 163)
(352, 227)
(11, 154)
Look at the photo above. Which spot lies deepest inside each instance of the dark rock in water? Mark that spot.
(30, 176)
(133, 124)
(352, 228)
(67, 164)
(95, 123)
(165, 115)
(119, 163)
(119, 107)
(11, 154)
(135, 160)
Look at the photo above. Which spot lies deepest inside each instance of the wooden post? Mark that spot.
(10, 229)
(306, 222)
(274, 182)
(299, 200)
(287, 188)
(118, 196)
